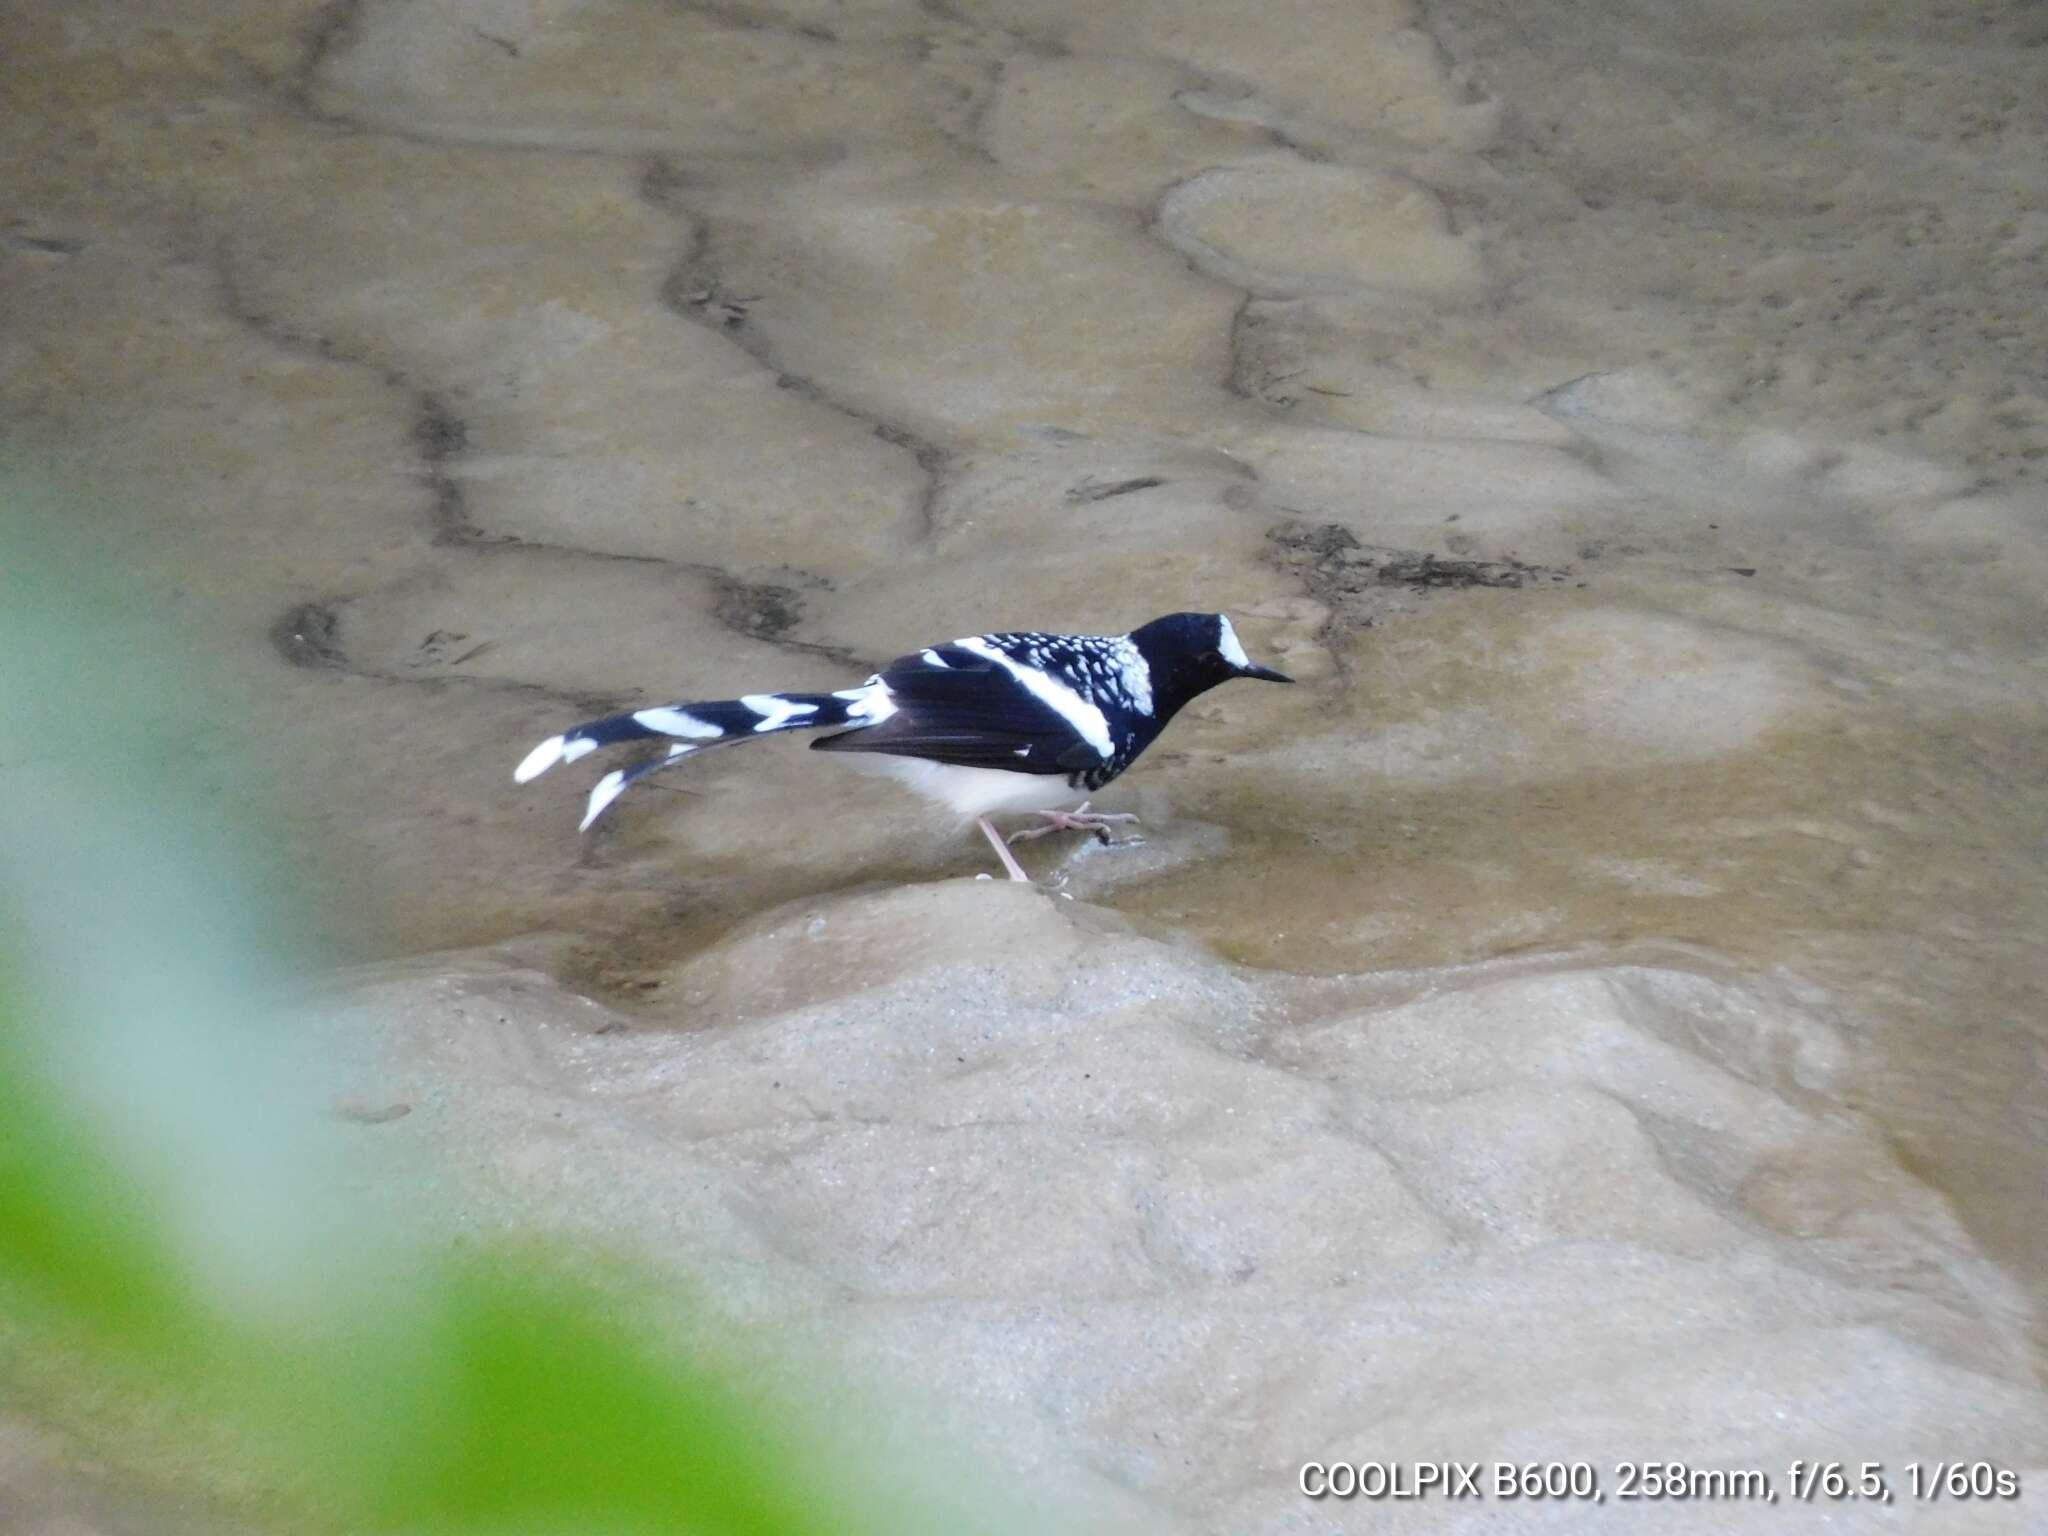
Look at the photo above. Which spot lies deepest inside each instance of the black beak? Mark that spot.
(1264, 674)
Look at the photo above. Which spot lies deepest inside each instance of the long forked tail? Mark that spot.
(691, 728)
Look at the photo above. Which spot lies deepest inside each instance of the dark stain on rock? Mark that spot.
(769, 611)
(1419, 570)
(439, 433)
(1361, 584)
(759, 610)
(42, 245)
(330, 28)
(1089, 492)
(662, 183)
(441, 437)
(715, 308)
(931, 458)
(356, 1112)
(308, 635)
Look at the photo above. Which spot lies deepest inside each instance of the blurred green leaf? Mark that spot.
(491, 1388)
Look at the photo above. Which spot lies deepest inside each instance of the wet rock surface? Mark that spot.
(1172, 1226)
(1597, 1013)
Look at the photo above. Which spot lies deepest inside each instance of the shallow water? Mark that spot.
(1629, 428)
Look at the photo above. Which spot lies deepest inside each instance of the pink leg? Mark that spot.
(996, 842)
(1081, 820)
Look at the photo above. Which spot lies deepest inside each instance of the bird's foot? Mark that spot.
(1081, 820)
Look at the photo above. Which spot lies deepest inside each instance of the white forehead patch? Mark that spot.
(1227, 646)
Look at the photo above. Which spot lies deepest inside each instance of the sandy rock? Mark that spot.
(1282, 228)
(1115, 127)
(600, 76)
(1365, 69)
(1522, 498)
(1562, 693)
(959, 309)
(528, 617)
(538, 356)
(1122, 1197)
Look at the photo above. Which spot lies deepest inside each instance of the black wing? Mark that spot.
(953, 706)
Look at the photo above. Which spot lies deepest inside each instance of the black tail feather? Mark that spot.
(690, 727)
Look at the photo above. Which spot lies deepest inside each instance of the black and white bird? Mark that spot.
(985, 724)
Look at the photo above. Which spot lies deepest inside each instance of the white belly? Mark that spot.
(972, 792)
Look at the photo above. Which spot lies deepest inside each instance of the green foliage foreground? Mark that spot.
(166, 1241)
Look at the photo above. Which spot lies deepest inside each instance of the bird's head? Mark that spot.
(1190, 653)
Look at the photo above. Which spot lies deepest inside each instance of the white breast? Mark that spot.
(972, 792)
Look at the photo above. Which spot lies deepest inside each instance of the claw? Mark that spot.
(1080, 820)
